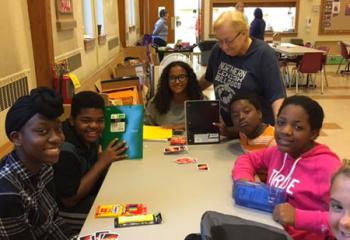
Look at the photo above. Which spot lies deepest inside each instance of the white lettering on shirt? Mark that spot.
(228, 78)
(292, 185)
(281, 181)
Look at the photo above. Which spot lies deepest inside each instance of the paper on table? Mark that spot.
(156, 133)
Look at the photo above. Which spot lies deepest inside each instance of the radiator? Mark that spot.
(12, 87)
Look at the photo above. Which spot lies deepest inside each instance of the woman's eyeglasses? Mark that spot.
(228, 42)
(180, 78)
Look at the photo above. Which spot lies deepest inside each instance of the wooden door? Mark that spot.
(121, 18)
(42, 42)
(153, 6)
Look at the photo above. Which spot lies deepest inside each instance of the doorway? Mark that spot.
(154, 7)
(187, 15)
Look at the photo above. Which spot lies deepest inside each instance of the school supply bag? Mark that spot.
(257, 195)
(218, 226)
(125, 123)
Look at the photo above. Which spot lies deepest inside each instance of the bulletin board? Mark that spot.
(64, 15)
(335, 17)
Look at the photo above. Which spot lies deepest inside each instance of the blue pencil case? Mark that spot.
(257, 195)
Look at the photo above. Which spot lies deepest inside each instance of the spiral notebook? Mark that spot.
(200, 115)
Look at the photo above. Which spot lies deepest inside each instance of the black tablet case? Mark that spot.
(200, 115)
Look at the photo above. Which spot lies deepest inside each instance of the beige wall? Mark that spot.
(133, 35)
(15, 46)
(306, 10)
(71, 42)
(311, 34)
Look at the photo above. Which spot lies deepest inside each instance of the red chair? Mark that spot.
(308, 44)
(310, 63)
(324, 60)
(345, 54)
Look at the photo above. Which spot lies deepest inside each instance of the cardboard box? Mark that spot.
(157, 73)
(154, 59)
(66, 112)
(124, 87)
(139, 52)
(125, 71)
(124, 96)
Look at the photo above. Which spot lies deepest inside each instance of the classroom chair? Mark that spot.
(346, 56)
(297, 41)
(309, 64)
(324, 61)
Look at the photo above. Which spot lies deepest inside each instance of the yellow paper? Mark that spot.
(74, 79)
(156, 133)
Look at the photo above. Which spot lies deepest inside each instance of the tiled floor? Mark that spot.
(335, 102)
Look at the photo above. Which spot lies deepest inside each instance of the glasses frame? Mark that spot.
(229, 42)
(180, 78)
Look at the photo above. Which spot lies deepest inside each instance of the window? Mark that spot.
(87, 17)
(131, 13)
(285, 16)
(99, 17)
(280, 16)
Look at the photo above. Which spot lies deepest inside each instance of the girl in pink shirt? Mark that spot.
(297, 164)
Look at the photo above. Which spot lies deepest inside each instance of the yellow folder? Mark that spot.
(156, 133)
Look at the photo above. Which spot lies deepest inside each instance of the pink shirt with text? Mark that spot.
(306, 181)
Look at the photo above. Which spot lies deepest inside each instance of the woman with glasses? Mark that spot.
(238, 64)
(177, 84)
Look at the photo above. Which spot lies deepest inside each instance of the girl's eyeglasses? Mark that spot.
(180, 78)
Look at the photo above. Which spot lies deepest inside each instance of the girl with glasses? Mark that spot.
(177, 83)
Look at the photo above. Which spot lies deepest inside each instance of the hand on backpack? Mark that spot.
(284, 214)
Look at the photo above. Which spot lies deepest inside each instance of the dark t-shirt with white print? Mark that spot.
(257, 71)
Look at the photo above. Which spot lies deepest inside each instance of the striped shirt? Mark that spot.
(266, 139)
(27, 206)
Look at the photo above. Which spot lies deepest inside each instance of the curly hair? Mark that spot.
(164, 95)
(249, 96)
(86, 99)
(311, 107)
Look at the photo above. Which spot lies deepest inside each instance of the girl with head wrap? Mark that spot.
(27, 206)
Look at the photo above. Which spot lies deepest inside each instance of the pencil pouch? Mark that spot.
(257, 195)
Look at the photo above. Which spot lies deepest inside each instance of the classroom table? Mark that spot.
(290, 49)
(180, 192)
(189, 51)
